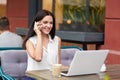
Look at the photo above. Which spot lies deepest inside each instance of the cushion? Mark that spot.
(14, 63)
(67, 55)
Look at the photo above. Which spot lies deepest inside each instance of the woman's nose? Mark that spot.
(49, 25)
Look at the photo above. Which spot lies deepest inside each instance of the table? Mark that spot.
(113, 72)
(84, 38)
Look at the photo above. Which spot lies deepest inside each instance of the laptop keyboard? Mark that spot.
(65, 72)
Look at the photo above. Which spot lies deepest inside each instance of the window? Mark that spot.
(3, 7)
(80, 15)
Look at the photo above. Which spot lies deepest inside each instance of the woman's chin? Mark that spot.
(46, 32)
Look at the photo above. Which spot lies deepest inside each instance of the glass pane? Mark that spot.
(74, 10)
(3, 7)
(80, 15)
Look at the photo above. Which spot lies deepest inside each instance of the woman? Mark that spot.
(42, 45)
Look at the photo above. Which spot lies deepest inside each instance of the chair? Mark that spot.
(10, 48)
(14, 63)
(67, 54)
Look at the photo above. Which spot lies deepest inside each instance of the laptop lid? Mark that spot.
(87, 62)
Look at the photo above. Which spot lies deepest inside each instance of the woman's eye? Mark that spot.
(51, 22)
(45, 22)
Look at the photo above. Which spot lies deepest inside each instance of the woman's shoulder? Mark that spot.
(58, 38)
(33, 38)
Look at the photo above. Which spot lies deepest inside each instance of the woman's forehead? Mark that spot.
(47, 18)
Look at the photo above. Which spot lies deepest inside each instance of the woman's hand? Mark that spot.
(37, 28)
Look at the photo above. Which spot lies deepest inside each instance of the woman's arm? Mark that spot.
(59, 49)
(35, 52)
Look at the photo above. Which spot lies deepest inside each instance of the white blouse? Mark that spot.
(50, 55)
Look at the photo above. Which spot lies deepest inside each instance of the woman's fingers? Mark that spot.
(37, 26)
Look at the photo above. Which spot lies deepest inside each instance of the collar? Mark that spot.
(50, 39)
(4, 32)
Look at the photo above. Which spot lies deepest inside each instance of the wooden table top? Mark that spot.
(112, 73)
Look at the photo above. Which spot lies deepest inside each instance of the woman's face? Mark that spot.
(46, 24)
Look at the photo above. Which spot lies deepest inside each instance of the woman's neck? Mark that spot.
(44, 36)
(45, 39)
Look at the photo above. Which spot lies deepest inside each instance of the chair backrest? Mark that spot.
(71, 47)
(67, 54)
(11, 48)
(14, 63)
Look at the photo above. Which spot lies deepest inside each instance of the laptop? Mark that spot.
(86, 62)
